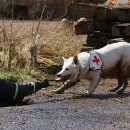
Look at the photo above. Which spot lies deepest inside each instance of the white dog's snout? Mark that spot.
(58, 75)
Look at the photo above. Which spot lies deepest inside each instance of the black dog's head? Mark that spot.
(43, 83)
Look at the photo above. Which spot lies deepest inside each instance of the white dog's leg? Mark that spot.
(65, 86)
(120, 82)
(96, 76)
(120, 91)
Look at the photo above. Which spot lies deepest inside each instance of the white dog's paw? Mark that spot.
(57, 91)
(87, 93)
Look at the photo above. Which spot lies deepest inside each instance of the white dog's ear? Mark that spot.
(75, 59)
(64, 59)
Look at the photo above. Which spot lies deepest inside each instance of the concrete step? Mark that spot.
(86, 48)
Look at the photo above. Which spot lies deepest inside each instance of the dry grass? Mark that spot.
(54, 40)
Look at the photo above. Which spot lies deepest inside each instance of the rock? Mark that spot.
(97, 39)
(115, 40)
(82, 26)
(121, 30)
(124, 14)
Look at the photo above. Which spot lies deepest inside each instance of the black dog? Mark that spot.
(13, 93)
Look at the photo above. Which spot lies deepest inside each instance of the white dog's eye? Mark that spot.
(67, 69)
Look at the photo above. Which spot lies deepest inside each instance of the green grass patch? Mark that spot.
(10, 75)
(21, 75)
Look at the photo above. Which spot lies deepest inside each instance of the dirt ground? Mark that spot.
(71, 111)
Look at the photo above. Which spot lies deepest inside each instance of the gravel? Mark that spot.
(70, 111)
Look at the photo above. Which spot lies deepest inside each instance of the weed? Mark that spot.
(53, 40)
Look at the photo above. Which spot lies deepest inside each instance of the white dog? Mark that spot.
(91, 65)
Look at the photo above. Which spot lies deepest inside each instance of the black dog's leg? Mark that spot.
(27, 101)
(24, 102)
(26, 89)
(12, 93)
(19, 102)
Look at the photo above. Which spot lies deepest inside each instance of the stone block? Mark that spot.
(113, 13)
(121, 30)
(104, 13)
(86, 48)
(124, 14)
(98, 39)
(77, 11)
(88, 27)
(83, 27)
